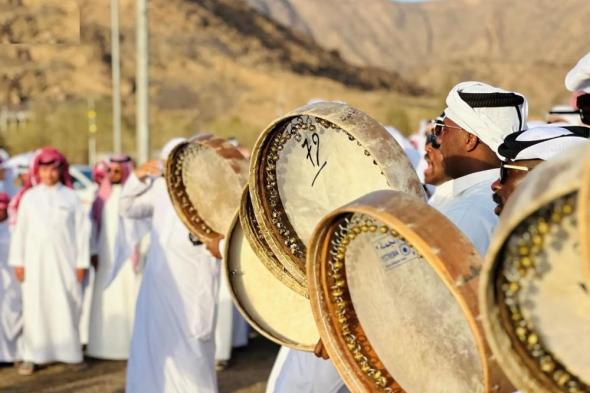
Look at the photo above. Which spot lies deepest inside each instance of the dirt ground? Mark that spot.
(247, 373)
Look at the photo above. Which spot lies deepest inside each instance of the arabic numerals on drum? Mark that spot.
(313, 154)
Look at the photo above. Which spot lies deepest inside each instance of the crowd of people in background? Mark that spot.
(150, 292)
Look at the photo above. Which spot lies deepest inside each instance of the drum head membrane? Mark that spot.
(408, 316)
(543, 298)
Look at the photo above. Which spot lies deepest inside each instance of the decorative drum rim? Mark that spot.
(176, 188)
(391, 208)
(551, 181)
(238, 220)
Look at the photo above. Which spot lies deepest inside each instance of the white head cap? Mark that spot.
(540, 143)
(169, 146)
(488, 112)
(578, 79)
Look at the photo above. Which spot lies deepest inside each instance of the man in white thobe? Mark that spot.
(477, 118)
(50, 254)
(231, 329)
(113, 307)
(172, 348)
(10, 293)
(303, 372)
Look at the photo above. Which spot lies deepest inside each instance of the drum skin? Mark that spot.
(205, 177)
(313, 160)
(406, 320)
(584, 215)
(533, 296)
(276, 311)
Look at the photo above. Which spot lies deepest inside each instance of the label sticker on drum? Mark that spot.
(393, 252)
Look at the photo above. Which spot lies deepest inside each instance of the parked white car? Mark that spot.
(83, 184)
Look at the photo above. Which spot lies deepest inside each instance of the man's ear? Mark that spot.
(471, 141)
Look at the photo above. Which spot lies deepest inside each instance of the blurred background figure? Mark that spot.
(50, 254)
(10, 293)
(113, 307)
(6, 174)
(411, 152)
(577, 80)
(173, 345)
(100, 171)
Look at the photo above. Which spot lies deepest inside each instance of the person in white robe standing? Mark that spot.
(231, 329)
(172, 347)
(10, 293)
(477, 118)
(113, 307)
(303, 372)
(50, 254)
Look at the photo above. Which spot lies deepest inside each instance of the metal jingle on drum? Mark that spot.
(534, 298)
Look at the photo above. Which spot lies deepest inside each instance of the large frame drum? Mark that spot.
(393, 286)
(279, 312)
(534, 297)
(205, 177)
(313, 160)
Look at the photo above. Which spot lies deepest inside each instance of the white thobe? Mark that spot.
(172, 348)
(10, 302)
(225, 319)
(302, 372)
(51, 240)
(231, 330)
(113, 308)
(467, 202)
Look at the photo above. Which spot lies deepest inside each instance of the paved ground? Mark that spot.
(247, 373)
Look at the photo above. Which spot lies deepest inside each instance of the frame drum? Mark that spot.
(584, 216)
(313, 160)
(393, 287)
(205, 177)
(275, 310)
(534, 297)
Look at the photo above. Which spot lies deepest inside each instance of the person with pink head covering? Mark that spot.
(50, 254)
(112, 311)
(100, 171)
(10, 293)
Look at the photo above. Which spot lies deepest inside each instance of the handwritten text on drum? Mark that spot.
(314, 158)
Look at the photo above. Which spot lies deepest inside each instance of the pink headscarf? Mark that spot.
(45, 155)
(4, 200)
(99, 171)
(104, 190)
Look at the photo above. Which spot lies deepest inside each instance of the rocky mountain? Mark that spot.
(526, 45)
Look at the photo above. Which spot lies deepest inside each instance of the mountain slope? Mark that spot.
(214, 64)
(523, 45)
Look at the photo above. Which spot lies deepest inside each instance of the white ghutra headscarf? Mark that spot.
(488, 112)
(578, 79)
